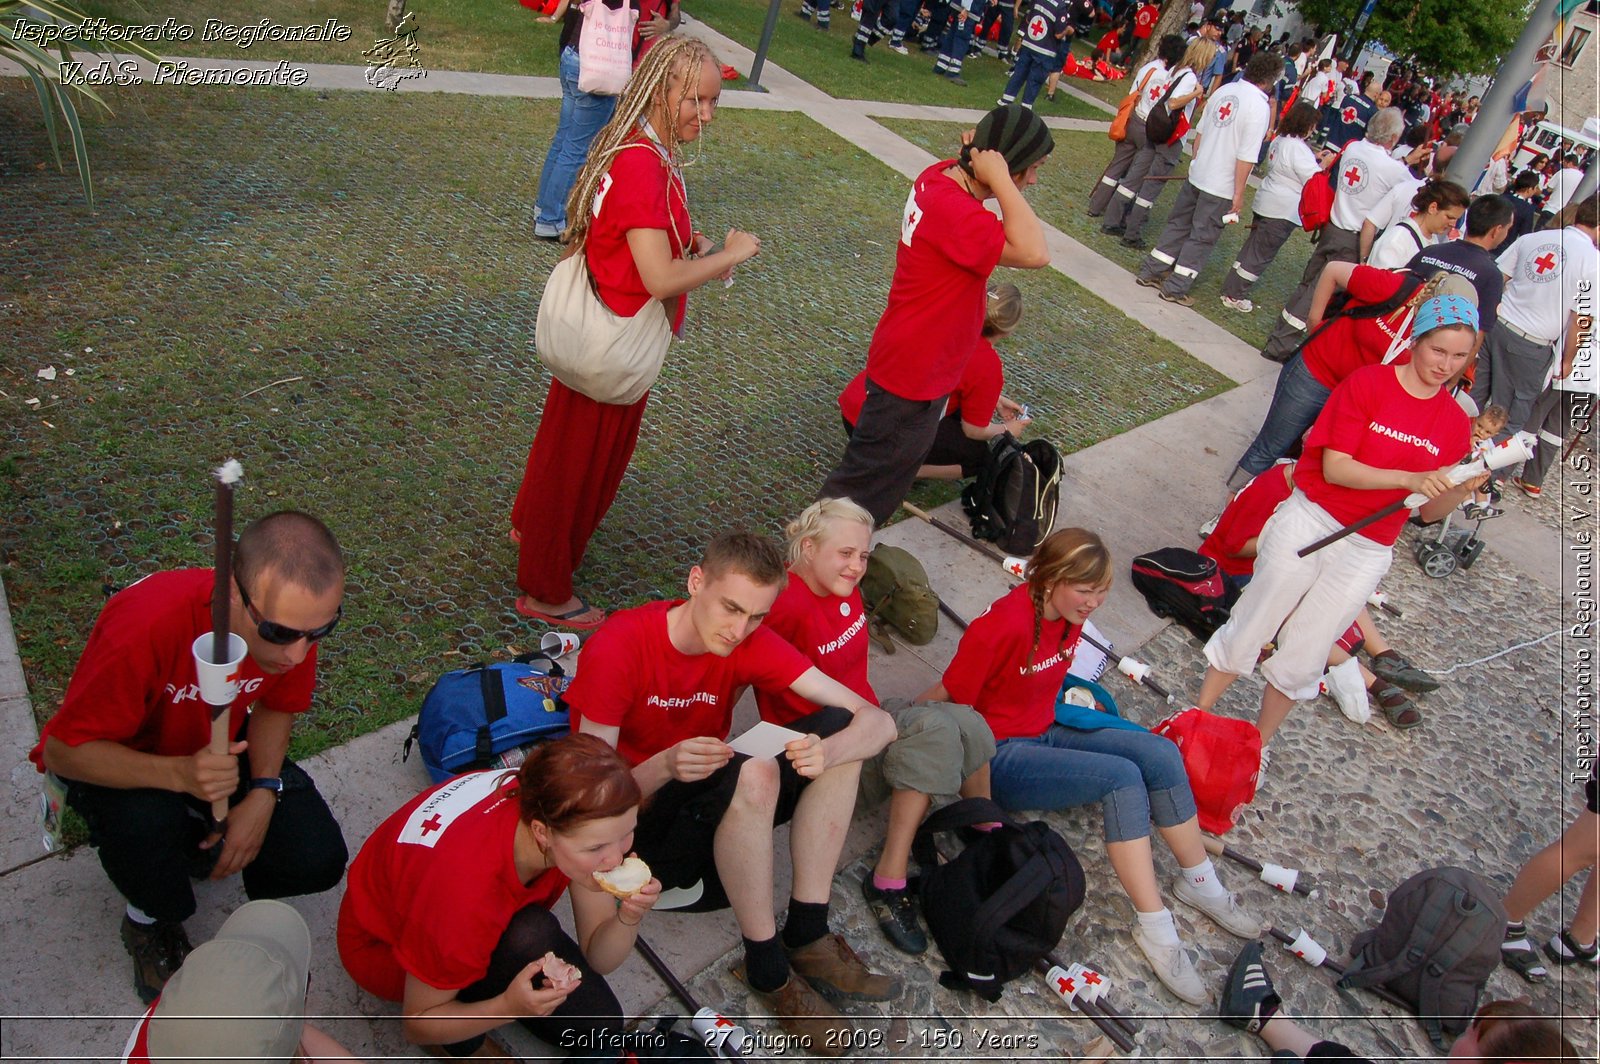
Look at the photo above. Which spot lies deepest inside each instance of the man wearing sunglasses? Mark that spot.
(130, 741)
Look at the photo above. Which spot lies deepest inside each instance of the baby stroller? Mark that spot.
(1451, 548)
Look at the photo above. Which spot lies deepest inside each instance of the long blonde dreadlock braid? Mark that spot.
(1067, 556)
(648, 88)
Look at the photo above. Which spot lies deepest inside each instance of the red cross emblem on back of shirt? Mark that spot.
(1224, 111)
(430, 824)
(1037, 28)
(1544, 263)
(1353, 176)
(1348, 115)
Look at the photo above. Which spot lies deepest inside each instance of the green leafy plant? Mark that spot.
(56, 100)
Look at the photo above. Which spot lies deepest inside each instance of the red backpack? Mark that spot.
(1222, 756)
(1316, 198)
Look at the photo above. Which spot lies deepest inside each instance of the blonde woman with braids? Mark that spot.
(1009, 666)
(629, 214)
(938, 749)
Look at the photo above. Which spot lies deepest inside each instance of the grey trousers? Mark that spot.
(880, 463)
(1140, 186)
(1267, 236)
(1516, 369)
(1336, 245)
(1192, 230)
(1121, 159)
(1556, 415)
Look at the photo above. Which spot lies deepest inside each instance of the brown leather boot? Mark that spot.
(832, 967)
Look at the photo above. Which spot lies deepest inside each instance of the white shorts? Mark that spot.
(1306, 603)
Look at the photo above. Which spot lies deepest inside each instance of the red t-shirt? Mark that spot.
(136, 684)
(1349, 343)
(1243, 518)
(1000, 672)
(975, 398)
(632, 677)
(640, 191)
(830, 632)
(1144, 22)
(949, 245)
(435, 886)
(1378, 423)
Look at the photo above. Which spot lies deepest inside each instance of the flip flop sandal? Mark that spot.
(1400, 710)
(1525, 962)
(562, 620)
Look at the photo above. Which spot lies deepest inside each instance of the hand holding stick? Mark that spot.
(219, 652)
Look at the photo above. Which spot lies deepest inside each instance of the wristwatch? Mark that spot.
(269, 783)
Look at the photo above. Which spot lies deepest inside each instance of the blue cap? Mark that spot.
(1444, 310)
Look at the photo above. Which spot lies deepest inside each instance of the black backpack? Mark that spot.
(1161, 124)
(1014, 498)
(1438, 943)
(1184, 585)
(1002, 903)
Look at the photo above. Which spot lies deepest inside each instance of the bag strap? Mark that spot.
(1450, 954)
(1429, 919)
(1014, 895)
(958, 814)
(494, 709)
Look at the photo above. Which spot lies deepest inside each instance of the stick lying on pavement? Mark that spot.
(1309, 950)
(1276, 876)
(1066, 985)
(721, 1035)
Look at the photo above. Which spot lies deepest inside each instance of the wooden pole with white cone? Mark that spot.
(1311, 951)
(1277, 877)
(219, 652)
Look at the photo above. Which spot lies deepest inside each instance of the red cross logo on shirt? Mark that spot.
(1348, 116)
(1155, 93)
(1146, 16)
(1352, 175)
(1037, 28)
(1544, 263)
(1224, 113)
(430, 824)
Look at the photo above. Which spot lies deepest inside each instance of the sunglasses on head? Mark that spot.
(282, 635)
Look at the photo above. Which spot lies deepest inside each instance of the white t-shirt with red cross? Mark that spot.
(630, 676)
(1290, 164)
(949, 245)
(435, 887)
(831, 632)
(1365, 174)
(1395, 205)
(1007, 675)
(1373, 419)
(1156, 73)
(1231, 130)
(1546, 270)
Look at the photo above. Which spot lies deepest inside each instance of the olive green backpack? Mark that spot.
(897, 595)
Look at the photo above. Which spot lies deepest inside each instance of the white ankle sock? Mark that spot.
(138, 916)
(1203, 878)
(1159, 926)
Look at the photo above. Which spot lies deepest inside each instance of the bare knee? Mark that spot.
(758, 784)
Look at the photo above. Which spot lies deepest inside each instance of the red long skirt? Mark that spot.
(575, 465)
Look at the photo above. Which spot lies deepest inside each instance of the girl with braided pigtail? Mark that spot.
(1009, 666)
(629, 216)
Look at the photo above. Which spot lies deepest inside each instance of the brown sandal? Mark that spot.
(1400, 710)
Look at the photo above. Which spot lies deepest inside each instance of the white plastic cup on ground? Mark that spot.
(558, 644)
(219, 684)
(716, 1031)
(1279, 877)
(1307, 949)
(1015, 566)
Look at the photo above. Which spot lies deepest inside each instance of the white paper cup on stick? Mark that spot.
(1307, 949)
(1278, 876)
(717, 1031)
(558, 644)
(219, 684)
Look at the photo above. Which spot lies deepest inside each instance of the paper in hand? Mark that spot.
(764, 740)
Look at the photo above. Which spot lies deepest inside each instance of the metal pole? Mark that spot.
(766, 42)
(1495, 114)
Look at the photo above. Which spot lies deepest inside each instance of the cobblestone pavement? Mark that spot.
(1356, 808)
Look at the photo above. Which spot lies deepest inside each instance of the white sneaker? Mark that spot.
(1223, 909)
(1173, 967)
(899, 49)
(1343, 683)
(1243, 306)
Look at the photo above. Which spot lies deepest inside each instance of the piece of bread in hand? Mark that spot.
(625, 880)
(558, 973)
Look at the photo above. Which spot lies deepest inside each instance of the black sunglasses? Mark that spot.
(281, 635)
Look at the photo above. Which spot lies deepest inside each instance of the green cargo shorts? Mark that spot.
(938, 746)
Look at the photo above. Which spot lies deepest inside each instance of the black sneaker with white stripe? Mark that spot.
(1249, 1001)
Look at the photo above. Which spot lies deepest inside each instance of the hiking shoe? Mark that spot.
(1248, 999)
(158, 950)
(1223, 909)
(1112, 230)
(1397, 670)
(1243, 306)
(896, 914)
(1523, 959)
(1563, 950)
(832, 967)
(1532, 491)
(1147, 282)
(1173, 967)
(1137, 242)
(1182, 301)
(803, 1012)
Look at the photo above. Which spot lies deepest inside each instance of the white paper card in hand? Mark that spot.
(765, 740)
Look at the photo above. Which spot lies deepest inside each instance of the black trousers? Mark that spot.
(588, 1024)
(880, 462)
(149, 841)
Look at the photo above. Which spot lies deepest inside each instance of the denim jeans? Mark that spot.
(583, 114)
(1296, 401)
(1135, 775)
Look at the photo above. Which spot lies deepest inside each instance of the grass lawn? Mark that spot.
(824, 60)
(1060, 196)
(491, 36)
(361, 245)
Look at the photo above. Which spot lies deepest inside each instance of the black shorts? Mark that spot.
(676, 833)
(1591, 793)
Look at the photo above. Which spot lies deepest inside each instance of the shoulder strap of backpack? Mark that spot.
(1014, 895)
(1450, 954)
(958, 814)
(1435, 908)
